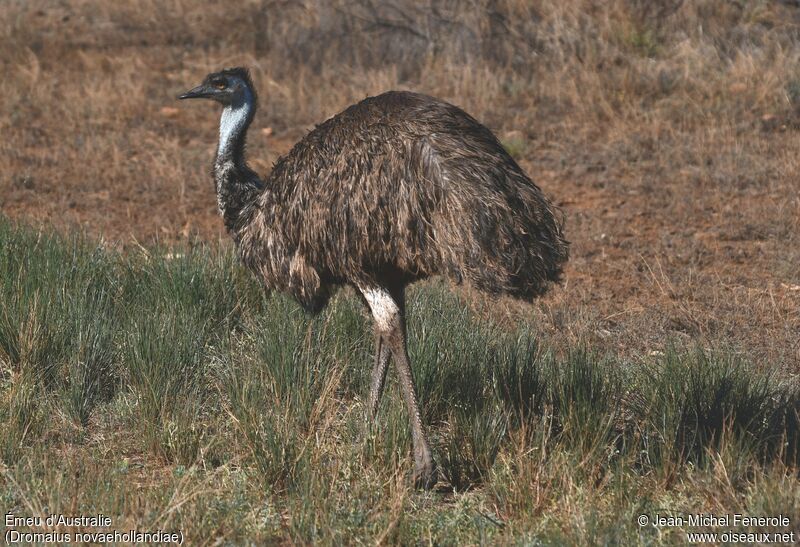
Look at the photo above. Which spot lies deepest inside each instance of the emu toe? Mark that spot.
(390, 191)
(426, 476)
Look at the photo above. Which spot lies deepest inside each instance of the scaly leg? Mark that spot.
(390, 323)
(425, 475)
(382, 354)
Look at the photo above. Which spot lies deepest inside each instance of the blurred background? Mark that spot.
(667, 131)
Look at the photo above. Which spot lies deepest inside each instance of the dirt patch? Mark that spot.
(674, 159)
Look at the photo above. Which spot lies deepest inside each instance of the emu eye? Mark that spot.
(219, 84)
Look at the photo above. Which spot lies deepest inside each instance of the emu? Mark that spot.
(392, 190)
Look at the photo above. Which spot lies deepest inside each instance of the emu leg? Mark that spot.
(382, 354)
(425, 474)
(387, 309)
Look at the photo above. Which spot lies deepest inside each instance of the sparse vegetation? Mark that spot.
(145, 376)
(666, 130)
(243, 418)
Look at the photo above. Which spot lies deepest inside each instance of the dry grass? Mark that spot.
(164, 390)
(668, 135)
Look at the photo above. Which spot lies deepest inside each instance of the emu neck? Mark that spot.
(237, 185)
(233, 124)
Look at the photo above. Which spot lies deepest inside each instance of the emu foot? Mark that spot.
(425, 474)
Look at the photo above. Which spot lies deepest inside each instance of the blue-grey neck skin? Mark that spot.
(237, 185)
(233, 124)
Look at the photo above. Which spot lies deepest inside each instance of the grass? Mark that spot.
(667, 132)
(164, 389)
(156, 383)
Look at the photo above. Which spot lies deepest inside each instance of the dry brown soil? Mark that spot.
(683, 209)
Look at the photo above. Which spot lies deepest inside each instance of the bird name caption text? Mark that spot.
(725, 528)
(57, 528)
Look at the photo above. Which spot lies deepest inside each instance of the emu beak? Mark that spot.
(202, 91)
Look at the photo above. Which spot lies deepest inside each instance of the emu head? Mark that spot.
(230, 87)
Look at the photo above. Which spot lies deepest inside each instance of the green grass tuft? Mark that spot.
(165, 388)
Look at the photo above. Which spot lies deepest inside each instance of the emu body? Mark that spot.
(394, 189)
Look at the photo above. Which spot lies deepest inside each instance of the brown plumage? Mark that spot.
(394, 189)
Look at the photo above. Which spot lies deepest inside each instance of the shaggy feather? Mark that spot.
(394, 189)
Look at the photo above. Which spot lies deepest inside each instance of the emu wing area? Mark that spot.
(400, 187)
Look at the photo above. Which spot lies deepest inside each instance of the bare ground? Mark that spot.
(672, 150)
